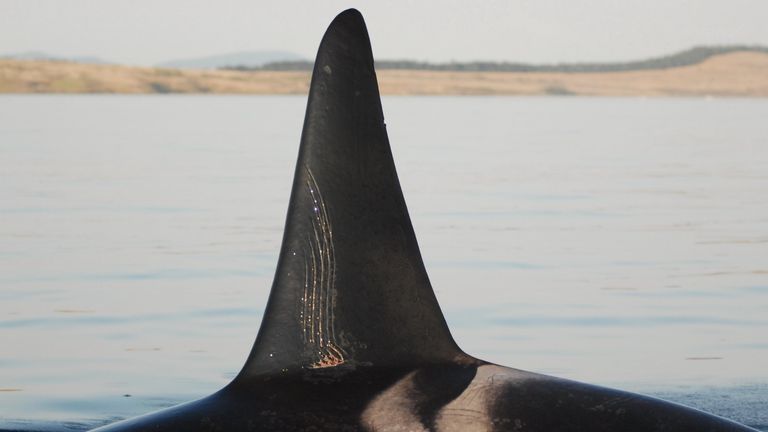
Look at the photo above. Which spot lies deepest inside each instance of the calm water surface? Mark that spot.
(622, 242)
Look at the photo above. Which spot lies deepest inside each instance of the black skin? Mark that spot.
(353, 338)
(325, 400)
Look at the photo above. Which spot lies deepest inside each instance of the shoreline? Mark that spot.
(736, 74)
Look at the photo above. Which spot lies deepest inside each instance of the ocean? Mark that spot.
(617, 241)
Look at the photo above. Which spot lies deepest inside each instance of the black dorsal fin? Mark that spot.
(350, 287)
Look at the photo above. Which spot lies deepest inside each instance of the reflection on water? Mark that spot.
(616, 241)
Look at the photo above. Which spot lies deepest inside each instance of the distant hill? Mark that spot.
(39, 55)
(742, 73)
(244, 59)
(688, 57)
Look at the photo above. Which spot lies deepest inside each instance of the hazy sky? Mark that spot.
(151, 31)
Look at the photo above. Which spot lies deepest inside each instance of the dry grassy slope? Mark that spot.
(733, 74)
(63, 77)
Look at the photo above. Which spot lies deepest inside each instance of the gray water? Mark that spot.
(622, 242)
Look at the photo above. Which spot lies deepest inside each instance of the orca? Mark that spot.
(352, 337)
